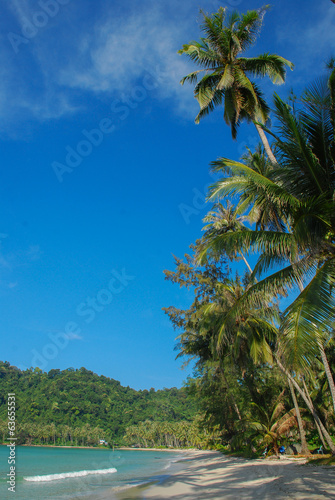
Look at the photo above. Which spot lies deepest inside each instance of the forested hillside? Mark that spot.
(65, 403)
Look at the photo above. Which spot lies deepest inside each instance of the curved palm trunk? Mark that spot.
(316, 423)
(310, 406)
(246, 262)
(304, 446)
(266, 144)
(328, 373)
(325, 363)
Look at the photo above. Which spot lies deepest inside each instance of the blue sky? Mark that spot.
(103, 172)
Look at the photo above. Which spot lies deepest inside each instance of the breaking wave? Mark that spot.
(65, 475)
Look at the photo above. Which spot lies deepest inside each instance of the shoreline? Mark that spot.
(210, 475)
(123, 448)
(60, 446)
(173, 450)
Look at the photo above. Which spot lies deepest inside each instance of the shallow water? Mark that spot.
(64, 473)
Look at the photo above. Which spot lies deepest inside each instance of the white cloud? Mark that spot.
(75, 58)
(117, 55)
(53, 72)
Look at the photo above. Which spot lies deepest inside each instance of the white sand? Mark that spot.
(212, 476)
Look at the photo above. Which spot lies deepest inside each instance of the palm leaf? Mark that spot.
(270, 65)
(311, 311)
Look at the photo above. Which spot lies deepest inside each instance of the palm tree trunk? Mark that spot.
(310, 406)
(266, 144)
(325, 363)
(246, 262)
(231, 396)
(328, 373)
(316, 423)
(304, 446)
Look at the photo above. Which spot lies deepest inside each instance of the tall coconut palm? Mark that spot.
(305, 396)
(302, 190)
(222, 219)
(249, 334)
(304, 445)
(226, 80)
(328, 373)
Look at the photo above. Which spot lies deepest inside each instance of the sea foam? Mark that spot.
(65, 475)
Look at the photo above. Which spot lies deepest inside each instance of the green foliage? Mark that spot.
(280, 205)
(226, 73)
(327, 460)
(78, 398)
(292, 206)
(232, 351)
(194, 434)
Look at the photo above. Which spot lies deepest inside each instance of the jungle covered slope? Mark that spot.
(78, 397)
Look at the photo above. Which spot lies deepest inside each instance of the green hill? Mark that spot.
(65, 403)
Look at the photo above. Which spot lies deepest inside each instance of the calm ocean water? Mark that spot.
(64, 473)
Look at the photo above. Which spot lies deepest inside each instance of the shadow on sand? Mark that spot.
(220, 477)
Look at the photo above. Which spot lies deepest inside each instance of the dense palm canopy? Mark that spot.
(300, 193)
(222, 219)
(279, 204)
(226, 79)
(245, 336)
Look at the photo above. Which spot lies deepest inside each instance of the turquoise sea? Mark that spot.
(65, 473)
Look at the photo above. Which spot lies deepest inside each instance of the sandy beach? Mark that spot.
(212, 476)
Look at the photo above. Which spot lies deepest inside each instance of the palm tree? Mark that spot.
(304, 446)
(301, 190)
(53, 431)
(270, 424)
(231, 340)
(328, 373)
(266, 213)
(65, 431)
(249, 333)
(223, 219)
(226, 79)
(305, 396)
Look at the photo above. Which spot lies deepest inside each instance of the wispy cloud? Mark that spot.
(104, 57)
(115, 55)
(84, 54)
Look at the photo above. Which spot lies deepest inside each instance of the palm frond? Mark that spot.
(273, 190)
(249, 27)
(294, 144)
(270, 65)
(311, 311)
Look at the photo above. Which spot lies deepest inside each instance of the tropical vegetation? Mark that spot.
(259, 329)
(262, 340)
(78, 407)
